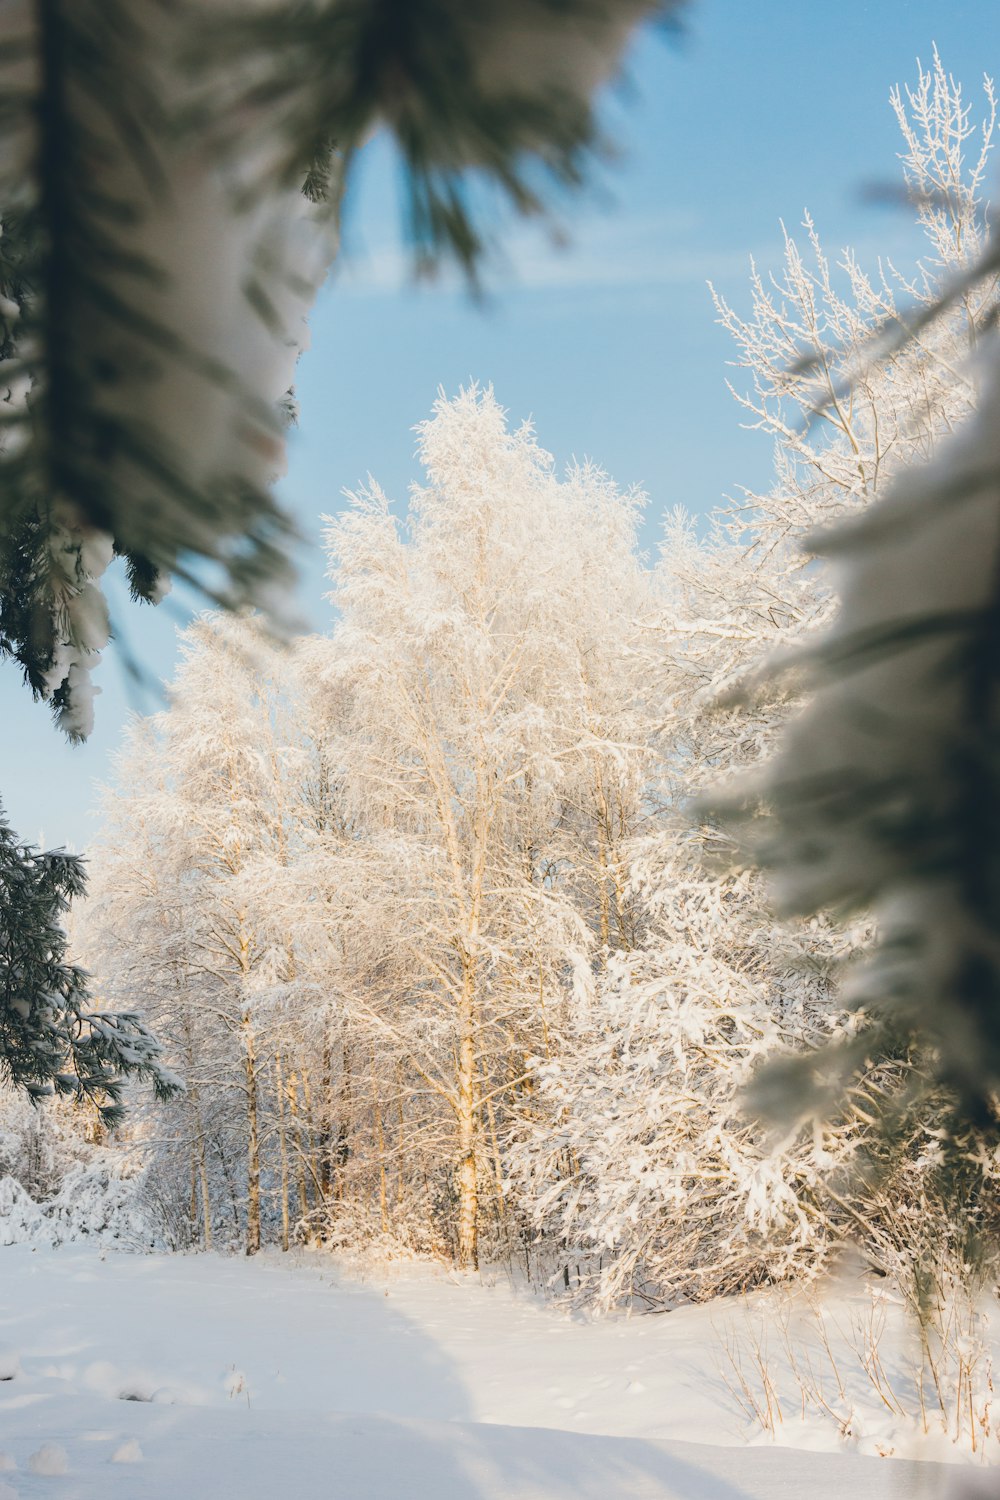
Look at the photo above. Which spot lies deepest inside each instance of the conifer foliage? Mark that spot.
(51, 1037)
(885, 793)
(169, 193)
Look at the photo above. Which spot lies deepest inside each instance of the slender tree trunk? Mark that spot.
(283, 1149)
(400, 1173)
(345, 1111)
(468, 1186)
(253, 1139)
(326, 1125)
(316, 1154)
(199, 1147)
(383, 1199)
(303, 1147)
(193, 1201)
(495, 1146)
(234, 1202)
(206, 1200)
(602, 885)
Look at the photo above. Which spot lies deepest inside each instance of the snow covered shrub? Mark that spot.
(644, 1163)
(894, 1380)
(42, 1142)
(62, 1180)
(21, 1219)
(100, 1201)
(33, 1149)
(356, 1228)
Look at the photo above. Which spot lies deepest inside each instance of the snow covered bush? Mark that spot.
(37, 1146)
(100, 1201)
(21, 1219)
(63, 1179)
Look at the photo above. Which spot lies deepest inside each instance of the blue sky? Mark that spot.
(762, 110)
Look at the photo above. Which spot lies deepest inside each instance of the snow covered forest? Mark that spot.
(554, 913)
(418, 908)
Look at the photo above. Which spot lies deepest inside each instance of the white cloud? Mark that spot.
(607, 253)
(611, 251)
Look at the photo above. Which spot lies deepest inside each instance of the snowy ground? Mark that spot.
(173, 1378)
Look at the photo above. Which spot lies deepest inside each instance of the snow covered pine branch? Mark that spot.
(169, 196)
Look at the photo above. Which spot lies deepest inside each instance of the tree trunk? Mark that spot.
(303, 1148)
(468, 1187)
(326, 1126)
(283, 1148)
(383, 1197)
(316, 1154)
(193, 1204)
(206, 1200)
(345, 1115)
(194, 1099)
(253, 1141)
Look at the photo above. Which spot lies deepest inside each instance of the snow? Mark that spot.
(20, 1216)
(95, 1200)
(233, 1377)
(50, 1459)
(128, 1453)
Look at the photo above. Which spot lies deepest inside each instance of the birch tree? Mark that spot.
(142, 930)
(198, 808)
(463, 742)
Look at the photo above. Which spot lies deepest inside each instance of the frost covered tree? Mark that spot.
(478, 732)
(884, 793)
(654, 1178)
(848, 402)
(140, 931)
(181, 903)
(384, 868)
(667, 1187)
(169, 194)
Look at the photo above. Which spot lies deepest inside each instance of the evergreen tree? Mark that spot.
(51, 1039)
